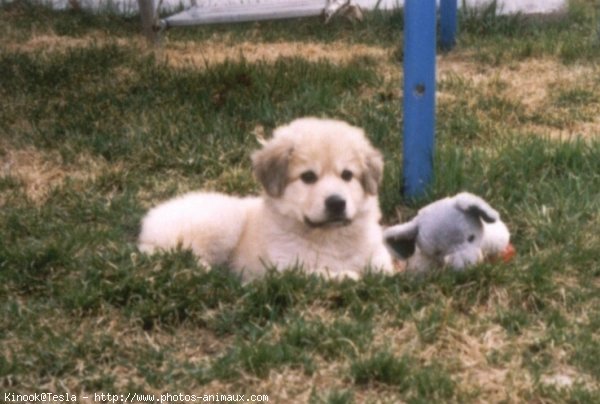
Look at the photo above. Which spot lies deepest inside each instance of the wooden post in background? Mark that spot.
(147, 11)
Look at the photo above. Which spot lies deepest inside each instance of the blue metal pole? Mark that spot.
(448, 23)
(419, 95)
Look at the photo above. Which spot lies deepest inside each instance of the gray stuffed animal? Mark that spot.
(457, 232)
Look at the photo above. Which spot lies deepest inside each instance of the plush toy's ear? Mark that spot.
(401, 239)
(475, 206)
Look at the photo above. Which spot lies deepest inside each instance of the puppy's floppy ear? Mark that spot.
(476, 206)
(372, 176)
(401, 239)
(270, 165)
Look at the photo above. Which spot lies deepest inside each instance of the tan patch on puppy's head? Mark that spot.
(320, 171)
(373, 173)
(270, 165)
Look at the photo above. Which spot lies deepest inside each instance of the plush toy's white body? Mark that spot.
(454, 232)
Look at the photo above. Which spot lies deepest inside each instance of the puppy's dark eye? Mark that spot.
(309, 177)
(347, 175)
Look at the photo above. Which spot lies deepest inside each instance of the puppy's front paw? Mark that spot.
(339, 275)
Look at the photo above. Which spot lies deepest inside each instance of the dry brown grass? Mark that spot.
(205, 53)
(41, 171)
(49, 42)
(188, 345)
(199, 54)
(531, 84)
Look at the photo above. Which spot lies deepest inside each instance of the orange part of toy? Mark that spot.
(505, 255)
(508, 253)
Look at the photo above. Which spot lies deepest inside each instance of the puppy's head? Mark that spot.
(321, 172)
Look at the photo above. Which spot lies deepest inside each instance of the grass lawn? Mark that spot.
(95, 128)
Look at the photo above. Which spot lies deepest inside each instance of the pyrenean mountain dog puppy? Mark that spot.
(319, 210)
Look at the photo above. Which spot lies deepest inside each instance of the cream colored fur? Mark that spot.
(291, 224)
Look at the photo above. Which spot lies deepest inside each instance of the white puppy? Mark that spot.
(319, 210)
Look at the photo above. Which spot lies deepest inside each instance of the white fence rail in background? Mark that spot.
(131, 6)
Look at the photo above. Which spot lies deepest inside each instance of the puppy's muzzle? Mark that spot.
(335, 210)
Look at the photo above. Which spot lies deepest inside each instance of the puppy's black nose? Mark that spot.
(335, 205)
